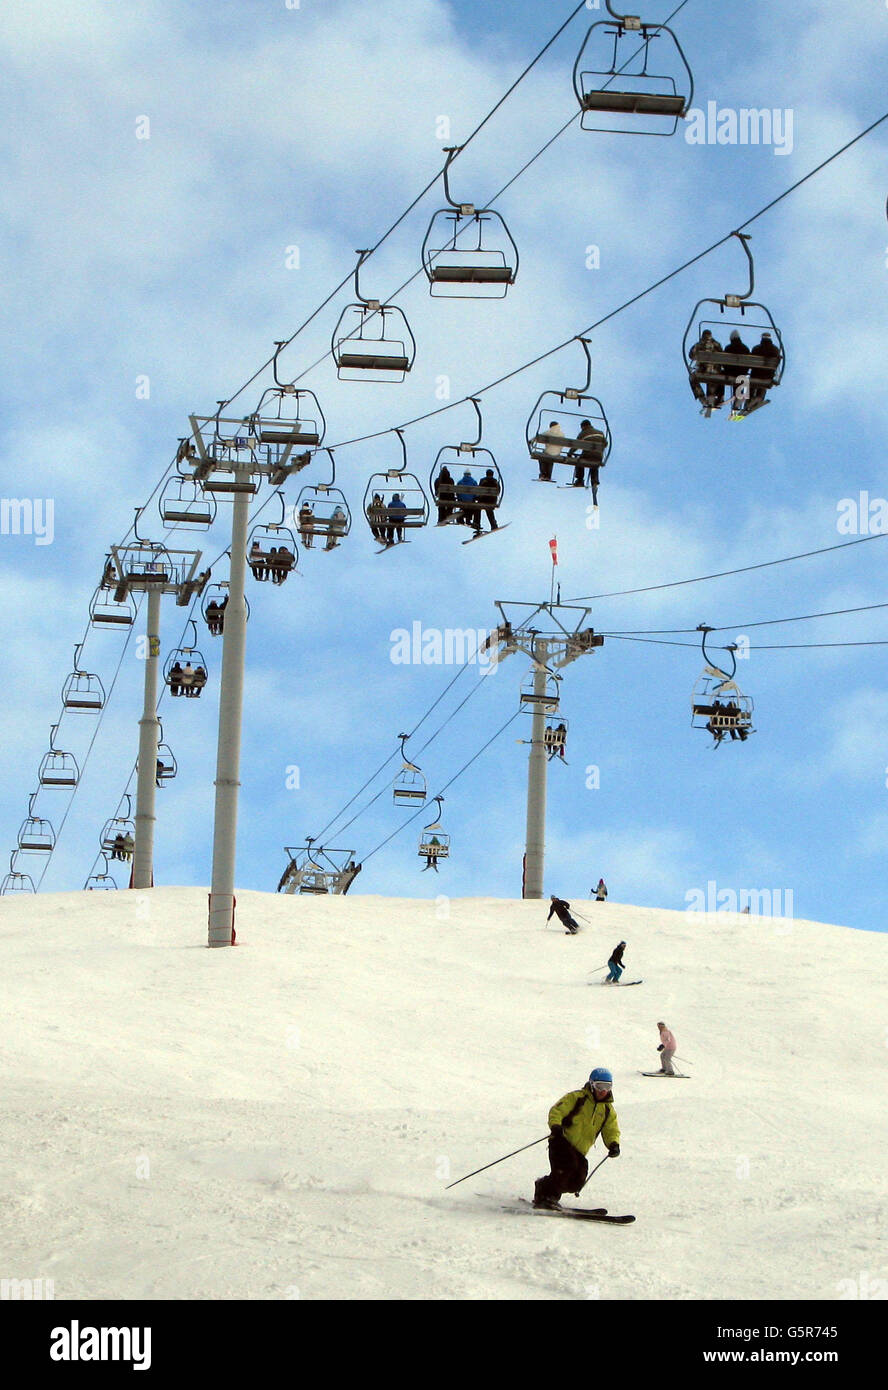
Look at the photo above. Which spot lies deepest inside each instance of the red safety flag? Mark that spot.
(553, 546)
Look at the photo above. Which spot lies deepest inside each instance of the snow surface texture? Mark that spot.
(279, 1120)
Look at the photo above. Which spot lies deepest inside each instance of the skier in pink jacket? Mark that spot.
(667, 1048)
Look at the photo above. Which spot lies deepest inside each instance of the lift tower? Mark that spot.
(551, 635)
(147, 567)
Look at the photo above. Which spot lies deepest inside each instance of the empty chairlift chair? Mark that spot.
(372, 341)
(100, 880)
(468, 252)
(288, 425)
(16, 882)
(409, 787)
(184, 503)
(725, 363)
(544, 699)
(105, 611)
(36, 835)
(322, 514)
(82, 691)
(717, 704)
(395, 503)
(466, 484)
(631, 77)
(58, 769)
(569, 428)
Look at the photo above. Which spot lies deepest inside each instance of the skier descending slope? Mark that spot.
(575, 1122)
(615, 963)
(562, 912)
(667, 1049)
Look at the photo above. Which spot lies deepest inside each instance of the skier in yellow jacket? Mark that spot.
(575, 1121)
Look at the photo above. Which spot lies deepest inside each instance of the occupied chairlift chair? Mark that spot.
(409, 787)
(36, 835)
(166, 766)
(185, 656)
(621, 89)
(322, 512)
(712, 374)
(482, 270)
(58, 769)
(372, 341)
(119, 828)
(272, 552)
(433, 843)
(718, 705)
(466, 504)
(387, 522)
(82, 690)
(555, 738)
(547, 447)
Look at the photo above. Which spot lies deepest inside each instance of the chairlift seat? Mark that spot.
(472, 274)
(286, 432)
(230, 486)
(634, 103)
(375, 361)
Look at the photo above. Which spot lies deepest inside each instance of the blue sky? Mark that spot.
(166, 258)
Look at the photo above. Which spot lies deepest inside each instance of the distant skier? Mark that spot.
(616, 964)
(562, 912)
(666, 1049)
(575, 1122)
(601, 891)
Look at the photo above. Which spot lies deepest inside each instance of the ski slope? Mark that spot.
(279, 1120)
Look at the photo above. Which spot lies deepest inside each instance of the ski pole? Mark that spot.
(684, 1060)
(498, 1160)
(597, 969)
(595, 1170)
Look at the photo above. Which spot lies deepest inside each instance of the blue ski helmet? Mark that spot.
(602, 1076)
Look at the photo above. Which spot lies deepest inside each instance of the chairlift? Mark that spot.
(569, 427)
(321, 511)
(184, 503)
(106, 611)
(118, 837)
(555, 738)
(720, 358)
(272, 549)
(58, 769)
(82, 690)
(466, 483)
(16, 882)
(185, 670)
(407, 508)
(618, 91)
(433, 843)
(546, 700)
(409, 786)
(317, 869)
(36, 835)
(372, 341)
(482, 269)
(101, 881)
(287, 414)
(166, 766)
(718, 705)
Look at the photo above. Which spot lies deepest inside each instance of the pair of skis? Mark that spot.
(676, 1075)
(577, 1213)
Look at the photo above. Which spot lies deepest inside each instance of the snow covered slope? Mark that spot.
(279, 1120)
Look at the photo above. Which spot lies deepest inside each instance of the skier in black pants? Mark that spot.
(562, 912)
